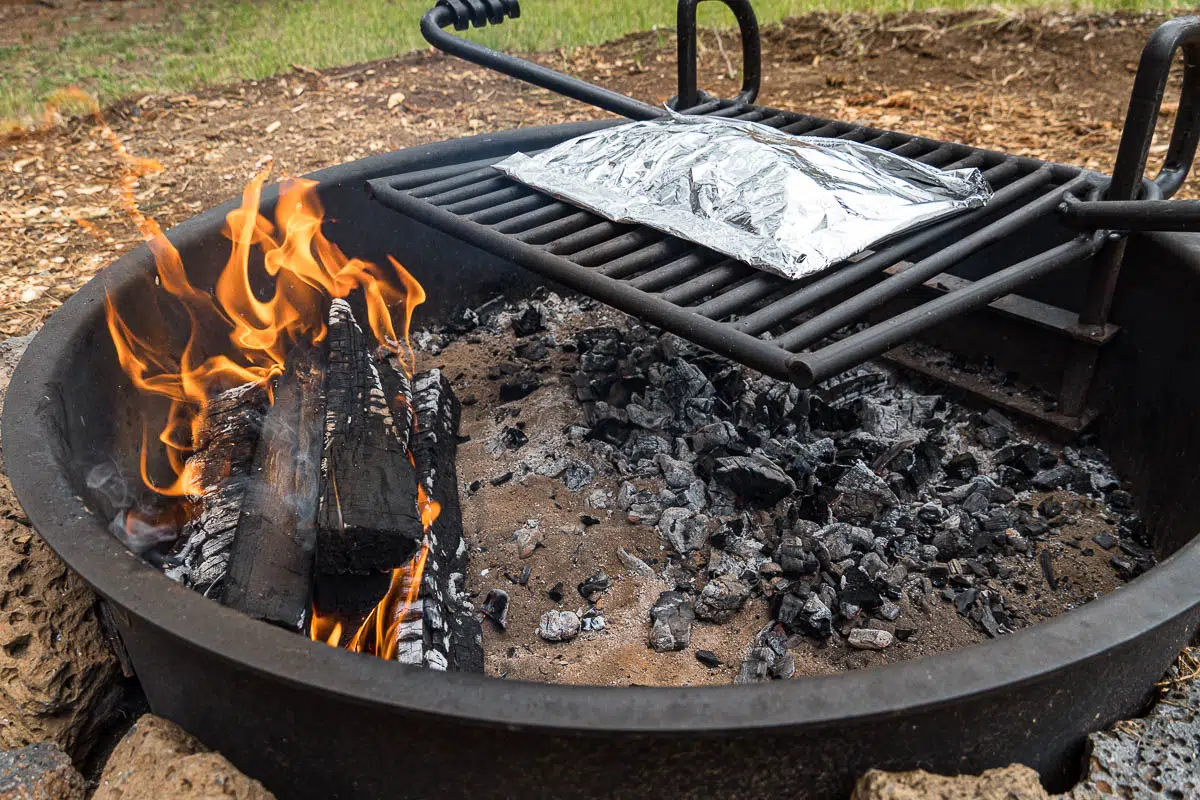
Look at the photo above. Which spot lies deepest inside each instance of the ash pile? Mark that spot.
(844, 510)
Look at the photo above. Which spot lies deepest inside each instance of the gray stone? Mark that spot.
(559, 626)
(721, 598)
(40, 771)
(869, 639)
(1156, 759)
(671, 617)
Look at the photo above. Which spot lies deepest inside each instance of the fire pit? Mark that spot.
(312, 721)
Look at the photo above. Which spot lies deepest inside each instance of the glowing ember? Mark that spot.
(271, 296)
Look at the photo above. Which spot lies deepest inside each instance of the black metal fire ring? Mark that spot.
(1135, 630)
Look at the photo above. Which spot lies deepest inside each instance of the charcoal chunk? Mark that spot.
(559, 626)
(721, 598)
(708, 658)
(495, 608)
(754, 478)
(671, 617)
(863, 495)
(869, 639)
(594, 585)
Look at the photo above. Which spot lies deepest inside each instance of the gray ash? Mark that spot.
(836, 508)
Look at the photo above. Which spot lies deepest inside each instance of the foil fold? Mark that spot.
(790, 205)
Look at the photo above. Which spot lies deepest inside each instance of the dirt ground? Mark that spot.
(1053, 86)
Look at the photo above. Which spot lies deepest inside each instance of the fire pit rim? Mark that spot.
(1157, 598)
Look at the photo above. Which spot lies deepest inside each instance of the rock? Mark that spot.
(1016, 782)
(1157, 758)
(634, 564)
(39, 772)
(60, 676)
(869, 639)
(708, 658)
(529, 539)
(158, 759)
(559, 626)
(672, 617)
(721, 598)
(754, 478)
(863, 494)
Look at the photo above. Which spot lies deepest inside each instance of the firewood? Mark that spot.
(271, 559)
(367, 519)
(451, 633)
(224, 452)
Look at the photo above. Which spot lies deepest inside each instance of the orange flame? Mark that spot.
(271, 295)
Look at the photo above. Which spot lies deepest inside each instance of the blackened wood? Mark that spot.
(368, 519)
(271, 559)
(349, 597)
(224, 452)
(452, 634)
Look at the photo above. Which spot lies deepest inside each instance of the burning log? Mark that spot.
(368, 519)
(271, 559)
(449, 628)
(221, 461)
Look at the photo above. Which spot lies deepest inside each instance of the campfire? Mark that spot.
(306, 464)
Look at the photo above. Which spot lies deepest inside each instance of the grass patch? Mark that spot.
(190, 44)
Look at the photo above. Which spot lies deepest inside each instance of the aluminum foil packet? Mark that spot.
(791, 205)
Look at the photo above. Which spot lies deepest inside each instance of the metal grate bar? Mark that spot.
(492, 181)
(551, 231)
(681, 268)
(850, 274)
(875, 296)
(587, 237)
(639, 260)
(524, 224)
(510, 192)
(878, 339)
(512, 209)
(615, 248)
(723, 274)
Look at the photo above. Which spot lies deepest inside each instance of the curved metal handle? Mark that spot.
(689, 95)
(462, 13)
(1145, 103)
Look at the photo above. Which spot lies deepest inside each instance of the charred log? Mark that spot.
(450, 630)
(271, 559)
(367, 519)
(221, 462)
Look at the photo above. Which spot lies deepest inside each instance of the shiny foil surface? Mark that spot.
(791, 205)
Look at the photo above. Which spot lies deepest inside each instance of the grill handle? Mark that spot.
(743, 12)
(1145, 101)
(464, 13)
(1131, 215)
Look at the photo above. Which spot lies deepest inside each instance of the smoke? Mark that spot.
(142, 523)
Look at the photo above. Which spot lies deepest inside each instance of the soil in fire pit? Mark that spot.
(941, 554)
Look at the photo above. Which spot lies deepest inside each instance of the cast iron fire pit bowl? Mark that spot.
(313, 721)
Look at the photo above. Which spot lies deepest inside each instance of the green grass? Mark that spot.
(218, 41)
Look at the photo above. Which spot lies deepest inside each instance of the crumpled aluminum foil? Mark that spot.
(791, 205)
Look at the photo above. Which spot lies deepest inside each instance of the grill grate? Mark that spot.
(803, 331)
